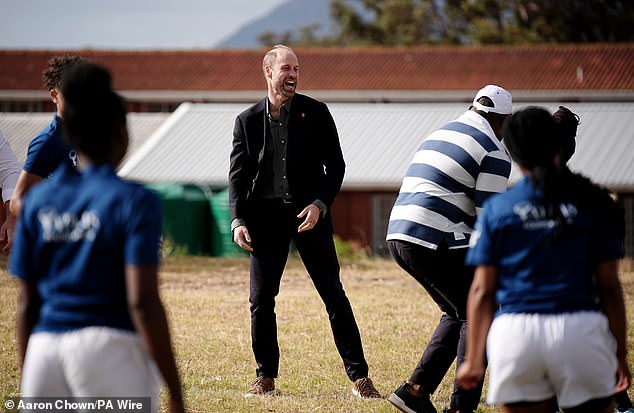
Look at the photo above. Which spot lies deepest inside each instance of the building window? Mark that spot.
(162, 107)
(21, 106)
(381, 208)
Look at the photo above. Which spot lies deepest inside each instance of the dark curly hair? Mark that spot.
(58, 65)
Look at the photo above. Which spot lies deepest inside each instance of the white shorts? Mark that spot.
(90, 362)
(534, 357)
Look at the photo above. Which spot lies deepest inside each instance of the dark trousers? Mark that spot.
(622, 400)
(272, 225)
(447, 280)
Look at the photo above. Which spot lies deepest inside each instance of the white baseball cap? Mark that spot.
(502, 101)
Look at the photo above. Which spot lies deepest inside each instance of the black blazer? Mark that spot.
(314, 161)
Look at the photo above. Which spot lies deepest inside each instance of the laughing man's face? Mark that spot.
(284, 73)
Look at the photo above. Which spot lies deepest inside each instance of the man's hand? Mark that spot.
(242, 238)
(312, 213)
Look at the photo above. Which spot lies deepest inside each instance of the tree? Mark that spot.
(576, 21)
(306, 37)
(539, 21)
(388, 22)
(412, 22)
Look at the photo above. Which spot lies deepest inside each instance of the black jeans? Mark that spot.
(447, 280)
(272, 225)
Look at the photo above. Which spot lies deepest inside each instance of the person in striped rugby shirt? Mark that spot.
(455, 169)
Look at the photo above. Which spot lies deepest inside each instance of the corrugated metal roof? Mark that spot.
(378, 141)
(21, 128)
(605, 143)
(192, 146)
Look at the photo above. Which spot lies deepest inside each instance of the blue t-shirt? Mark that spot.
(537, 271)
(48, 149)
(76, 234)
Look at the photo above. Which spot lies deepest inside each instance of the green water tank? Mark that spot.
(186, 217)
(222, 244)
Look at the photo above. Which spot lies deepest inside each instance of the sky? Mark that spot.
(124, 24)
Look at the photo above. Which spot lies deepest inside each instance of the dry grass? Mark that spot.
(207, 303)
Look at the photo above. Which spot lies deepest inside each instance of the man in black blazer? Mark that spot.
(286, 169)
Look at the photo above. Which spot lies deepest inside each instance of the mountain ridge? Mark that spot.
(289, 16)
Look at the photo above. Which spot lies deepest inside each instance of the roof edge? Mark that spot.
(349, 96)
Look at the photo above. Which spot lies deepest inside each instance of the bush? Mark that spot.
(349, 251)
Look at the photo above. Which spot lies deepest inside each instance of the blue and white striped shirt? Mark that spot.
(455, 169)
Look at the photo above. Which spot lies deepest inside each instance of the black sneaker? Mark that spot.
(408, 403)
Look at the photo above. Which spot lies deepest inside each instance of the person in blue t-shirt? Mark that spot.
(546, 304)
(48, 149)
(90, 319)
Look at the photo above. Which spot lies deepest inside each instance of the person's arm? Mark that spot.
(25, 182)
(9, 173)
(28, 312)
(611, 301)
(242, 168)
(150, 321)
(492, 178)
(4, 213)
(239, 184)
(333, 162)
(9, 168)
(480, 312)
(7, 229)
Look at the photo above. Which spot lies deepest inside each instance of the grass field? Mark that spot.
(207, 304)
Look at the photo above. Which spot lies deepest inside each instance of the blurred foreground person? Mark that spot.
(552, 327)
(90, 319)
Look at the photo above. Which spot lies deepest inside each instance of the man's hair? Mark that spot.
(271, 55)
(486, 101)
(58, 65)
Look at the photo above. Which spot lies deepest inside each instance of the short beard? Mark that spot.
(280, 88)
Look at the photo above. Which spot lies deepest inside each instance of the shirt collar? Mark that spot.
(478, 121)
(286, 106)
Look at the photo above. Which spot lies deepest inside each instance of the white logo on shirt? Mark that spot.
(66, 227)
(542, 216)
